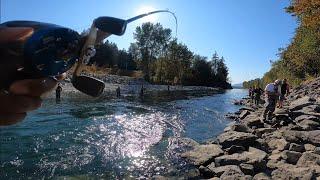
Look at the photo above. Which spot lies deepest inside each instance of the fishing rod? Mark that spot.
(51, 50)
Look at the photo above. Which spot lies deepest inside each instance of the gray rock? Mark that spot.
(205, 172)
(306, 117)
(274, 164)
(310, 137)
(254, 156)
(230, 138)
(241, 128)
(247, 169)
(261, 176)
(192, 174)
(308, 125)
(235, 149)
(278, 145)
(260, 131)
(202, 154)
(292, 172)
(182, 144)
(218, 171)
(317, 150)
(232, 174)
(296, 147)
(300, 103)
(308, 159)
(247, 108)
(281, 111)
(312, 108)
(309, 147)
(244, 114)
(253, 121)
(291, 157)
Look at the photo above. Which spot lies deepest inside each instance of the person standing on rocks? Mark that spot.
(257, 95)
(250, 93)
(272, 95)
(284, 91)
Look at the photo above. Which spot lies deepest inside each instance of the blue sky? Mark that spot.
(247, 33)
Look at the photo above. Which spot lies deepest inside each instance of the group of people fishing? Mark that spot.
(275, 93)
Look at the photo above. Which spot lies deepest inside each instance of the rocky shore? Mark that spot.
(287, 147)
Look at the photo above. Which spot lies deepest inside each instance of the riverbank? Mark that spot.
(285, 148)
(129, 86)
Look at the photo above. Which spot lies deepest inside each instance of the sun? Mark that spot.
(146, 9)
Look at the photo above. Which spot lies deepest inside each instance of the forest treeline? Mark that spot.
(163, 59)
(300, 60)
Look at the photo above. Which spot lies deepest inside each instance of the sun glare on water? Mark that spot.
(146, 9)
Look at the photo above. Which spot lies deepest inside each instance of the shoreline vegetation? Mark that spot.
(159, 58)
(285, 148)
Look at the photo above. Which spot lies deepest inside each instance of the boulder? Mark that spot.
(281, 111)
(244, 113)
(227, 139)
(312, 108)
(300, 103)
(232, 173)
(253, 156)
(260, 131)
(182, 144)
(261, 176)
(309, 147)
(253, 121)
(203, 154)
(291, 156)
(296, 147)
(235, 149)
(308, 125)
(278, 145)
(309, 158)
(306, 117)
(247, 169)
(241, 128)
(292, 172)
(205, 172)
(218, 171)
(310, 137)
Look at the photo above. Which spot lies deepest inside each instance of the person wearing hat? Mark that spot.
(272, 95)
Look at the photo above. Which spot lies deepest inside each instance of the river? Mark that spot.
(112, 138)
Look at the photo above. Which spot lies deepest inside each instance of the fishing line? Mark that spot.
(154, 12)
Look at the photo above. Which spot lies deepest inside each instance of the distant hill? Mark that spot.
(237, 86)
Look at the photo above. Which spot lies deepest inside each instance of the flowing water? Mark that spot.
(103, 138)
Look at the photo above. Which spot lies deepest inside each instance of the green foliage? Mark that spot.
(163, 60)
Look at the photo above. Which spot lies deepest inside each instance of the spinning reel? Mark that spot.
(51, 50)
